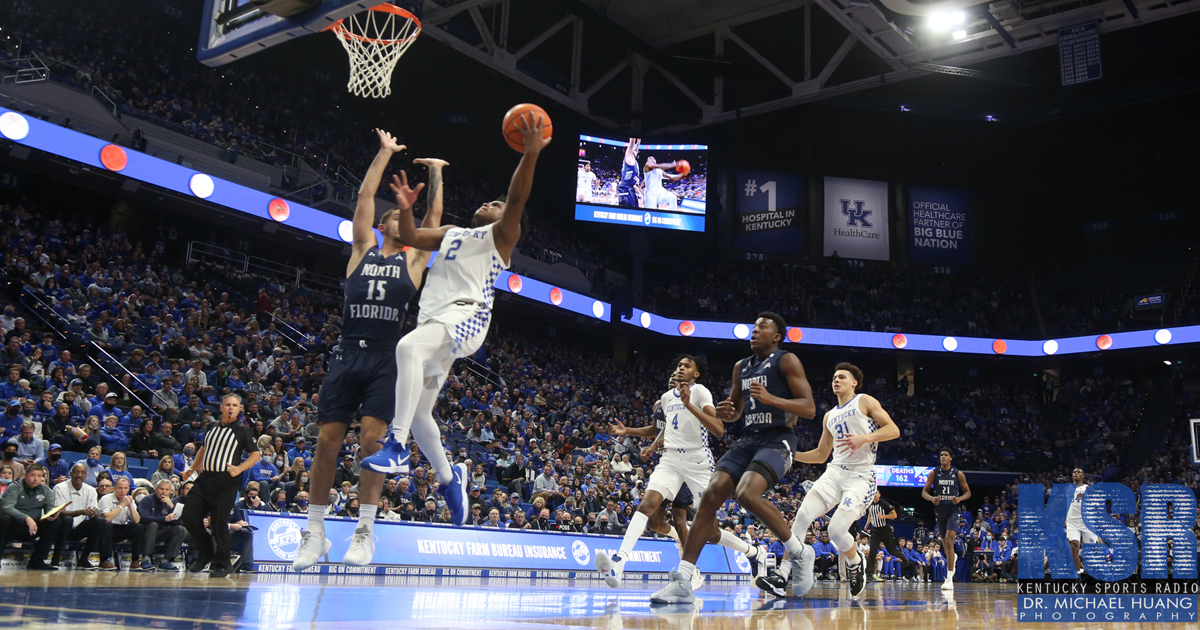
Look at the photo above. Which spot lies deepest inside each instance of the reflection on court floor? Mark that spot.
(81, 599)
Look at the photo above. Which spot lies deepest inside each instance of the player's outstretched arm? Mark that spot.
(887, 428)
(433, 216)
(821, 453)
(661, 165)
(619, 428)
(630, 147)
(508, 231)
(364, 210)
(428, 239)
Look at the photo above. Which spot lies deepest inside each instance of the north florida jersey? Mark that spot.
(757, 416)
(654, 179)
(1075, 512)
(684, 430)
(463, 273)
(849, 419)
(377, 295)
(629, 177)
(945, 486)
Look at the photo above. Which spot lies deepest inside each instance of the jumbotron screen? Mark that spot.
(627, 182)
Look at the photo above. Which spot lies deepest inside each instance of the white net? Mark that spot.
(375, 41)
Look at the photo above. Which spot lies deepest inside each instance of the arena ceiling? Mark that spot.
(612, 60)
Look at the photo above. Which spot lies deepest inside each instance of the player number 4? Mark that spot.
(376, 290)
(675, 422)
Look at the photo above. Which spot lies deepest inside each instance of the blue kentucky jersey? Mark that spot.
(757, 416)
(377, 295)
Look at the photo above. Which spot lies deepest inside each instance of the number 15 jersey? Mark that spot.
(684, 431)
(377, 295)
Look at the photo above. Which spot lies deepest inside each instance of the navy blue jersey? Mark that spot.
(945, 485)
(377, 296)
(769, 371)
(629, 177)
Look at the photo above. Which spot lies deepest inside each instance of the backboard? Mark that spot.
(233, 29)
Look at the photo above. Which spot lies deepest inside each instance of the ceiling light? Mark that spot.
(944, 20)
(959, 34)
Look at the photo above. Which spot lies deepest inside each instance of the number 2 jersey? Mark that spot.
(459, 289)
(377, 295)
(683, 430)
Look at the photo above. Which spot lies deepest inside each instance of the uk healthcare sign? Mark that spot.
(1122, 581)
(856, 218)
(939, 226)
(437, 547)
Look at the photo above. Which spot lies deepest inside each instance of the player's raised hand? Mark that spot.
(726, 411)
(388, 143)
(616, 428)
(431, 162)
(531, 126)
(851, 442)
(405, 196)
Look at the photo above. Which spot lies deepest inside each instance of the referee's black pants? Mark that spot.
(880, 535)
(213, 496)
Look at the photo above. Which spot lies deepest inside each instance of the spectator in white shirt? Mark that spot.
(621, 465)
(120, 510)
(83, 519)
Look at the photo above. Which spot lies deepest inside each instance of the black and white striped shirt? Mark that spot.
(877, 511)
(224, 445)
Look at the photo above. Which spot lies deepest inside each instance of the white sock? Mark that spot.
(316, 519)
(785, 570)
(637, 525)
(366, 517)
(686, 569)
(674, 535)
(857, 561)
(731, 540)
(794, 547)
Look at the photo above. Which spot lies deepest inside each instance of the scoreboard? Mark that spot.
(902, 476)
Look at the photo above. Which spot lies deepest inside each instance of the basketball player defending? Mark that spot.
(583, 186)
(456, 310)
(362, 370)
(857, 425)
(656, 195)
(778, 393)
(627, 195)
(1077, 532)
(942, 488)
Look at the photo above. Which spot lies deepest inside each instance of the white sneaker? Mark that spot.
(697, 580)
(611, 569)
(362, 548)
(948, 585)
(312, 548)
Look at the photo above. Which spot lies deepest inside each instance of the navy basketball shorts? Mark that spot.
(769, 452)
(948, 523)
(683, 499)
(359, 381)
(627, 199)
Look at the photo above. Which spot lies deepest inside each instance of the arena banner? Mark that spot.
(768, 213)
(856, 218)
(441, 547)
(939, 226)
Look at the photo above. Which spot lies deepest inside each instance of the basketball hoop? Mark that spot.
(375, 40)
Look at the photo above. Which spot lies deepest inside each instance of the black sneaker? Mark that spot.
(856, 578)
(772, 583)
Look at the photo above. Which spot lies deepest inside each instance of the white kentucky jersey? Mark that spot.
(683, 430)
(654, 179)
(586, 180)
(846, 420)
(1075, 512)
(464, 271)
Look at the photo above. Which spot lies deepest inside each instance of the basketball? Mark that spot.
(512, 133)
(682, 167)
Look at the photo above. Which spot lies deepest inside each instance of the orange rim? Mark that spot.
(382, 8)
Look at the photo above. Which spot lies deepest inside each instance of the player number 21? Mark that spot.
(376, 290)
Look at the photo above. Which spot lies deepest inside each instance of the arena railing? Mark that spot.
(62, 328)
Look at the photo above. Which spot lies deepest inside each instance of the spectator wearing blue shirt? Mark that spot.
(97, 400)
(57, 470)
(64, 362)
(12, 419)
(917, 568)
(302, 452)
(183, 459)
(12, 388)
(107, 408)
(49, 352)
(827, 556)
(264, 472)
(29, 449)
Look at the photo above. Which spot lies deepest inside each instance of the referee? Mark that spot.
(878, 515)
(216, 488)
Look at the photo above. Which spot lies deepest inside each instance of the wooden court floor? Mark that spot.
(79, 599)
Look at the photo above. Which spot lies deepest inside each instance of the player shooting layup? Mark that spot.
(778, 394)
(362, 371)
(858, 424)
(942, 488)
(656, 195)
(456, 310)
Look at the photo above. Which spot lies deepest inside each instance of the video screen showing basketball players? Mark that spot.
(632, 174)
